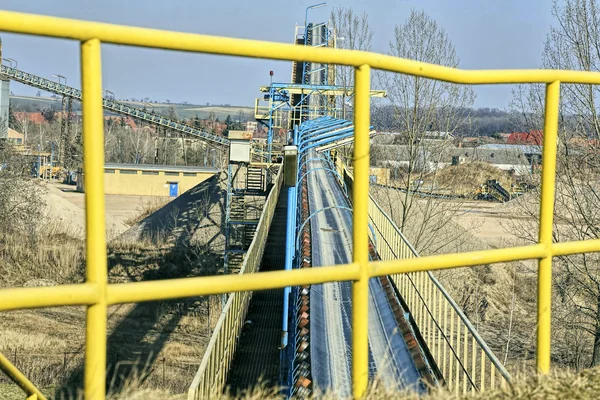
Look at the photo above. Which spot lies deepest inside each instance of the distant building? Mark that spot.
(150, 180)
(468, 142)
(437, 135)
(15, 137)
(533, 137)
(31, 117)
(512, 158)
(126, 121)
(251, 126)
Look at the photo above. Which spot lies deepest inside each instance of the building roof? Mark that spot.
(240, 135)
(33, 117)
(445, 154)
(14, 134)
(126, 120)
(155, 167)
(533, 137)
(526, 149)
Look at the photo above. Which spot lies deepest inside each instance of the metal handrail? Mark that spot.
(449, 298)
(21, 380)
(204, 384)
(97, 294)
(472, 330)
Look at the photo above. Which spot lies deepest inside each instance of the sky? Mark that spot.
(486, 34)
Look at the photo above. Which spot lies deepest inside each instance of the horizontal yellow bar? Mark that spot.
(202, 286)
(468, 259)
(581, 246)
(154, 38)
(21, 380)
(38, 297)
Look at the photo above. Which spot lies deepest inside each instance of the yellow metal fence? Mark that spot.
(463, 358)
(212, 375)
(97, 294)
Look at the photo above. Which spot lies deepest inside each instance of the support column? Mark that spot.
(360, 250)
(546, 221)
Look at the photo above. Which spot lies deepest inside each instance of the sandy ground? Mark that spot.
(489, 221)
(119, 208)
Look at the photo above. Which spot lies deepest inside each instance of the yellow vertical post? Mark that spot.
(450, 353)
(360, 228)
(465, 359)
(474, 363)
(458, 320)
(96, 272)
(546, 220)
(483, 359)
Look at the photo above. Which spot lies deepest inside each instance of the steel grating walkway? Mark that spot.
(257, 356)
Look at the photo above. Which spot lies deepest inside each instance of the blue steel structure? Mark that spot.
(302, 342)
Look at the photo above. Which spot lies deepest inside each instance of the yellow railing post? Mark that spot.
(96, 271)
(546, 220)
(360, 229)
(21, 380)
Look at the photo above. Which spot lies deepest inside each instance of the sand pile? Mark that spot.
(466, 178)
(198, 215)
(63, 217)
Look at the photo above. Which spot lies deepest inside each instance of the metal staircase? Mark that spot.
(111, 105)
(255, 180)
(242, 214)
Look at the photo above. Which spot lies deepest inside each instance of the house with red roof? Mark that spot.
(535, 138)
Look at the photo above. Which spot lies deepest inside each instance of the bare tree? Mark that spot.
(426, 113)
(21, 199)
(353, 32)
(574, 43)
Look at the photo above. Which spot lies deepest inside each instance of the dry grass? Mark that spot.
(40, 261)
(557, 386)
(150, 206)
(163, 340)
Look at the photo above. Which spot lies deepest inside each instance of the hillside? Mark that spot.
(34, 103)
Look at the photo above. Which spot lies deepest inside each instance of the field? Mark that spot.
(183, 111)
(156, 345)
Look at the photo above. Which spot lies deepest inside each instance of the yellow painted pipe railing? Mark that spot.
(21, 380)
(212, 375)
(462, 357)
(96, 294)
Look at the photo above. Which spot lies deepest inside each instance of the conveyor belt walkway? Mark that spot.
(331, 329)
(257, 356)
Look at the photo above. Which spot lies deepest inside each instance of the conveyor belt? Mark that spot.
(109, 104)
(389, 358)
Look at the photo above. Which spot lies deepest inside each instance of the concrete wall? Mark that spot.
(150, 183)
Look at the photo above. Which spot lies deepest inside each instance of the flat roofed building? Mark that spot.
(150, 180)
(15, 137)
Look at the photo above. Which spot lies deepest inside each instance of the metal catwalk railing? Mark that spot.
(212, 375)
(462, 356)
(97, 294)
(109, 104)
